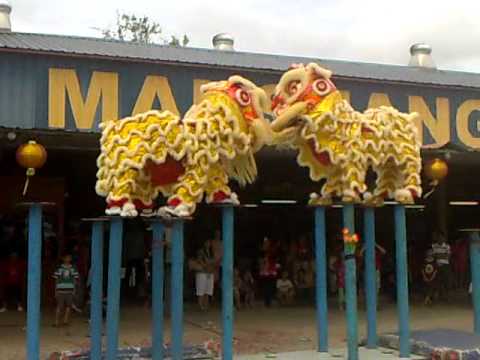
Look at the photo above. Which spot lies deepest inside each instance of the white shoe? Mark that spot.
(19, 308)
(76, 309)
(178, 211)
(3, 309)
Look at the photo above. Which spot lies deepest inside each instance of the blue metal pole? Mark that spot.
(351, 287)
(227, 283)
(114, 272)
(96, 323)
(370, 277)
(177, 290)
(157, 290)
(475, 268)
(402, 280)
(34, 281)
(321, 279)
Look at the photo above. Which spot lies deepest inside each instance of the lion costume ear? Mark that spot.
(316, 69)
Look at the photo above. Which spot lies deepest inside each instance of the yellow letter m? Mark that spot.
(65, 81)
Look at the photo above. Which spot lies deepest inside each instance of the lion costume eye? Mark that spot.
(321, 87)
(293, 87)
(242, 97)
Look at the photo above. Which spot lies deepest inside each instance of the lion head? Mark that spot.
(251, 102)
(299, 90)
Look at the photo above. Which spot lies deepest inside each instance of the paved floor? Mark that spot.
(364, 354)
(257, 331)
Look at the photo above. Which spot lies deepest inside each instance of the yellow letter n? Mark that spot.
(102, 84)
(440, 127)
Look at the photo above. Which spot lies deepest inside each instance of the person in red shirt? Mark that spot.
(379, 253)
(269, 268)
(13, 271)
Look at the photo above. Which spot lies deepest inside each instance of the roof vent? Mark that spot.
(5, 10)
(222, 41)
(421, 56)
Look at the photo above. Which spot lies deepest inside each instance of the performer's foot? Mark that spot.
(351, 196)
(221, 197)
(147, 213)
(372, 200)
(317, 200)
(113, 211)
(129, 210)
(175, 209)
(404, 196)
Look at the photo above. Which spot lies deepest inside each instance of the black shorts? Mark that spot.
(64, 299)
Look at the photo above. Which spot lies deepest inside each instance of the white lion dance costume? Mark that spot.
(339, 144)
(184, 158)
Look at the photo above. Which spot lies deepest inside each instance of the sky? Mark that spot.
(379, 31)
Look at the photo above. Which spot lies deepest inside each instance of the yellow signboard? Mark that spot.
(104, 89)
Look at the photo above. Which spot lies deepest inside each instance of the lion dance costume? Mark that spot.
(186, 158)
(340, 144)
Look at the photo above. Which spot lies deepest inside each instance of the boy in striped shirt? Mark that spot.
(65, 278)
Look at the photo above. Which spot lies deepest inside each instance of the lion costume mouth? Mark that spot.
(289, 116)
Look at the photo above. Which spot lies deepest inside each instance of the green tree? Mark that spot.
(140, 29)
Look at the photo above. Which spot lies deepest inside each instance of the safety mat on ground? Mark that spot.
(439, 344)
(138, 353)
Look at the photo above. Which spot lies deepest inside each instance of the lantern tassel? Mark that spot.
(25, 187)
(30, 173)
(434, 185)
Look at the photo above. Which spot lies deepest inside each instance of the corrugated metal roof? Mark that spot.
(135, 52)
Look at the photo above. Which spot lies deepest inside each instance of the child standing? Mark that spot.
(285, 289)
(248, 284)
(13, 271)
(340, 268)
(429, 273)
(237, 286)
(65, 277)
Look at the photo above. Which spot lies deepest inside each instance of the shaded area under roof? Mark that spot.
(82, 46)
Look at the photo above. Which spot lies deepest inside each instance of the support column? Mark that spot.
(34, 278)
(370, 277)
(227, 282)
(351, 286)
(96, 323)
(177, 290)
(402, 280)
(114, 273)
(475, 269)
(321, 279)
(157, 290)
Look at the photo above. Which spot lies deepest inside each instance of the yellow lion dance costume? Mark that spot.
(339, 144)
(184, 159)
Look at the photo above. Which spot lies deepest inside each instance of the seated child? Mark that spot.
(285, 290)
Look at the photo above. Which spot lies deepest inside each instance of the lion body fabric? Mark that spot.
(340, 144)
(211, 143)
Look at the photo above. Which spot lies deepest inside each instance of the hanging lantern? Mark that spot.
(31, 156)
(436, 170)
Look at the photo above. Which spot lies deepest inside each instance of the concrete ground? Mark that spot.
(363, 353)
(257, 331)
